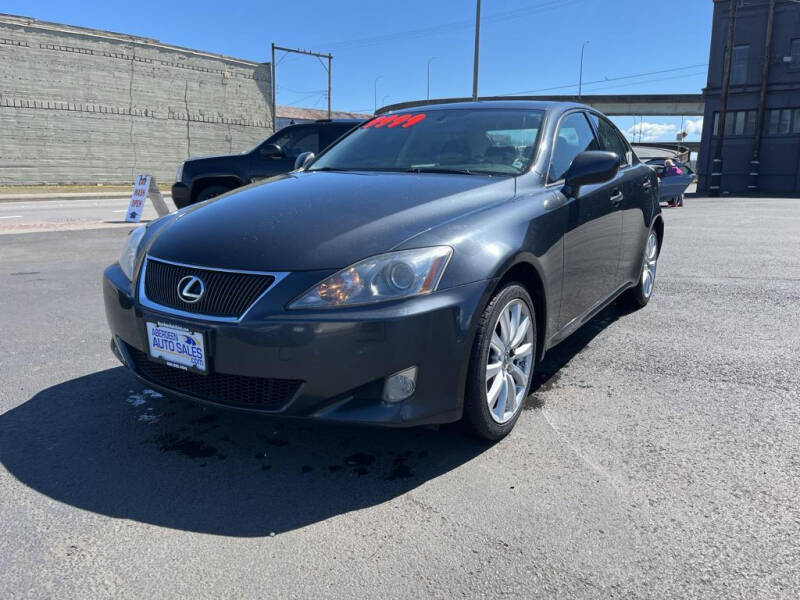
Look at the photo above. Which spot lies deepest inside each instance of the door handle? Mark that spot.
(617, 197)
(647, 184)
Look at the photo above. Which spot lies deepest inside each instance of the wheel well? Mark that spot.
(527, 275)
(202, 184)
(658, 226)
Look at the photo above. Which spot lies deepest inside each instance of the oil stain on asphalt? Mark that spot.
(186, 432)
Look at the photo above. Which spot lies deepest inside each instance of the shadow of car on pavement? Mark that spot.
(103, 443)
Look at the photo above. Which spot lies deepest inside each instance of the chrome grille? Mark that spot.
(228, 294)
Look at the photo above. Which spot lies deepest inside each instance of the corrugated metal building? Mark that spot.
(755, 54)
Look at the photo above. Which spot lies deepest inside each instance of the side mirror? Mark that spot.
(303, 160)
(592, 167)
(271, 151)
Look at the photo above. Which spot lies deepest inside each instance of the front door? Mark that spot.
(594, 226)
(293, 140)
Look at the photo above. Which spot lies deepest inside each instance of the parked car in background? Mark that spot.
(199, 179)
(413, 273)
(672, 187)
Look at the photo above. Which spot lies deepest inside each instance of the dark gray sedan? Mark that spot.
(414, 273)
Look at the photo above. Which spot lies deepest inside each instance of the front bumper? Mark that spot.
(341, 357)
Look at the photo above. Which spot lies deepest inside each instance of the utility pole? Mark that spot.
(375, 91)
(755, 163)
(477, 51)
(430, 60)
(716, 164)
(580, 73)
(319, 57)
(272, 64)
(330, 59)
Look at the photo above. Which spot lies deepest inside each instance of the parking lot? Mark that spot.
(657, 458)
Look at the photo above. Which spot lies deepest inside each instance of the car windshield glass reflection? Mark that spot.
(462, 141)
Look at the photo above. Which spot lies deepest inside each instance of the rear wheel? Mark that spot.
(212, 191)
(639, 296)
(501, 365)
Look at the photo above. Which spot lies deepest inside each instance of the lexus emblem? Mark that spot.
(190, 289)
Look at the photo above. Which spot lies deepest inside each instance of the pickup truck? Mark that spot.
(201, 178)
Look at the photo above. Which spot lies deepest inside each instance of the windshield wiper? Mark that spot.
(437, 170)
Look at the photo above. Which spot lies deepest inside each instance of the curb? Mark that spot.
(69, 196)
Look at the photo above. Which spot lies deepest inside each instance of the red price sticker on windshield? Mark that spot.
(392, 121)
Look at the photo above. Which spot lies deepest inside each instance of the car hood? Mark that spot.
(201, 162)
(315, 220)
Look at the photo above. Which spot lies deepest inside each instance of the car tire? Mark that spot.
(638, 296)
(212, 191)
(503, 349)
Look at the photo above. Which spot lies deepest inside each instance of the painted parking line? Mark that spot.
(12, 217)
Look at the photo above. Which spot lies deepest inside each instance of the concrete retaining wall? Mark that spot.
(86, 106)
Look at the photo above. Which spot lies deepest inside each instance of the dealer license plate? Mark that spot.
(177, 347)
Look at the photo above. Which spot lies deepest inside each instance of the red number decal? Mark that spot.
(414, 120)
(392, 121)
(399, 120)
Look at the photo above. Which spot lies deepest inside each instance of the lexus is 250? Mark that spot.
(413, 273)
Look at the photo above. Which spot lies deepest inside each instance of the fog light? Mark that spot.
(400, 385)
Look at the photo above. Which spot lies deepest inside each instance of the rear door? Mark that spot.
(637, 185)
(632, 188)
(592, 240)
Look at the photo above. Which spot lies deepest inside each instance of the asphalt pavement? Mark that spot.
(657, 456)
(69, 214)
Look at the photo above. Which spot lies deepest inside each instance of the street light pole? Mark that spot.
(477, 48)
(580, 74)
(430, 60)
(376, 92)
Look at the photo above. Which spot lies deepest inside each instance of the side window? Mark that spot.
(305, 140)
(610, 139)
(741, 55)
(795, 54)
(295, 140)
(574, 136)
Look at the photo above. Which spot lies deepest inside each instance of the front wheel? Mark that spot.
(212, 191)
(501, 365)
(639, 296)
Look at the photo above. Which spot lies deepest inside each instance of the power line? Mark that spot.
(304, 98)
(575, 85)
(403, 36)
(614, 87)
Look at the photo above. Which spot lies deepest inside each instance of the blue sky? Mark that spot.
(526, 45)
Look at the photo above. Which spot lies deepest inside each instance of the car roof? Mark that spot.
(544, 105)
(341, 121)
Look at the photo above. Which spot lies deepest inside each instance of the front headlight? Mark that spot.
(179, 173)
(127, 259)
(380, 278)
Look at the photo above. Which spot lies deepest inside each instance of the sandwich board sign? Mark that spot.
(145, 187)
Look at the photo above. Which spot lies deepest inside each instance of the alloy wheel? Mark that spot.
(509, 361)
(649, 264)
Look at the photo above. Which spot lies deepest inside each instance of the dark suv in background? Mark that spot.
(202, 178)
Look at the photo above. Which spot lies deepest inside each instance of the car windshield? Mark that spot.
(468, 141)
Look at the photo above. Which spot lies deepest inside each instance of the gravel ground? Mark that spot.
(657, 458)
